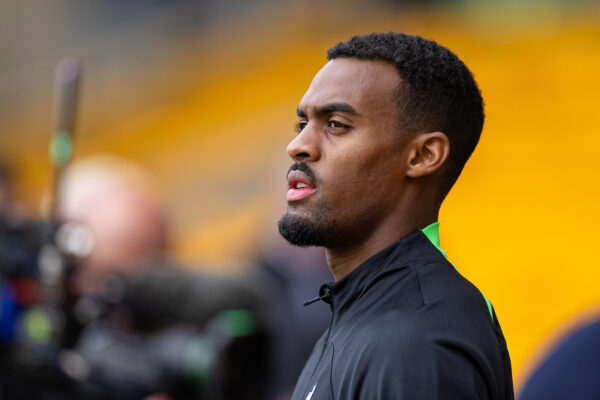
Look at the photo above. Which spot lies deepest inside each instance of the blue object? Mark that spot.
(571, 371)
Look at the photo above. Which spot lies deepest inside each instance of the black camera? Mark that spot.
(178, 333)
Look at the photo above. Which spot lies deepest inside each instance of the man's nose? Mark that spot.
(305, 146)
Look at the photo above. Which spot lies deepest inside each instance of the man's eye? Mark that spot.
(300, 125)
(336, 124)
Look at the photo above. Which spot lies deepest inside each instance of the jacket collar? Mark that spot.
(344, 292)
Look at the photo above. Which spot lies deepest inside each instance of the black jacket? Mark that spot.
(406, 325)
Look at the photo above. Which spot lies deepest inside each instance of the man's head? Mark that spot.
(117, 203)
(385, 129)
(437, 92)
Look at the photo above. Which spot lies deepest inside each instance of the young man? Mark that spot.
(384, 131)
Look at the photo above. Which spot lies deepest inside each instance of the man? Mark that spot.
(384, 131)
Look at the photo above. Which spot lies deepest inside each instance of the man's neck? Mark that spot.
(344, 261)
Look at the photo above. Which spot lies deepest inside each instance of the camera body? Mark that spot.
(128, 343)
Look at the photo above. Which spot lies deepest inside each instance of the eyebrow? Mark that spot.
(329, 108)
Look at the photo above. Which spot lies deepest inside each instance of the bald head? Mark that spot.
(117, 203)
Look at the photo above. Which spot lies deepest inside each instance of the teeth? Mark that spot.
(301, 185)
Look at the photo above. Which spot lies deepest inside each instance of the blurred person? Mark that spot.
(114, 203)
(165, 331)
(117, 203)
(571, 369)
(384, 130)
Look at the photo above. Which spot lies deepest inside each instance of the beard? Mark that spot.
(319, 228)
(306, 231)
(300, 231)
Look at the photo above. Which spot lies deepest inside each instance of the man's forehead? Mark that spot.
(353, 81)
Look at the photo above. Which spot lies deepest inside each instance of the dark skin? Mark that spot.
(377, 183)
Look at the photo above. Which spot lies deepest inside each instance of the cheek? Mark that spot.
(361, 174)
(371, 163)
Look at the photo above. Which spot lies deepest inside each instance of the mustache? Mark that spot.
(302, 166)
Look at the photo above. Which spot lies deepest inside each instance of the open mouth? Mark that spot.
(300, 186)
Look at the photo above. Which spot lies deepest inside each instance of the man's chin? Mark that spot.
(299, 230)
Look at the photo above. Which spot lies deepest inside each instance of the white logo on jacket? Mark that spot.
(311, 392)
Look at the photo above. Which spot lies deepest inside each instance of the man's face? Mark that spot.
(348, 174)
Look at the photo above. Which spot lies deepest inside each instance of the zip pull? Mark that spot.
(324, 294)
(309, 302)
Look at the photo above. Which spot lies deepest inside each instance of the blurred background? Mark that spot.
(202, 95)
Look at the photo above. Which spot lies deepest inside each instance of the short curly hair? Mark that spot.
(437, 92)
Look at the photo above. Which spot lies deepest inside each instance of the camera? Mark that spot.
(182, 334)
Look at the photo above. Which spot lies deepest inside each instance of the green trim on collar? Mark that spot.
(432, 232)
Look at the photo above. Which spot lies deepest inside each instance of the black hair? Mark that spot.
(437, 91)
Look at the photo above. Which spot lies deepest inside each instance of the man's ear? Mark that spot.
(428, 152)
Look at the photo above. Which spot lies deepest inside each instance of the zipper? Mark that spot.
(324, 294)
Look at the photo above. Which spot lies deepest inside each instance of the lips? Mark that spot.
(300, 184)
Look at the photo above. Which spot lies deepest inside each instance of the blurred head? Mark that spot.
(116, 202)
(384, 130)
